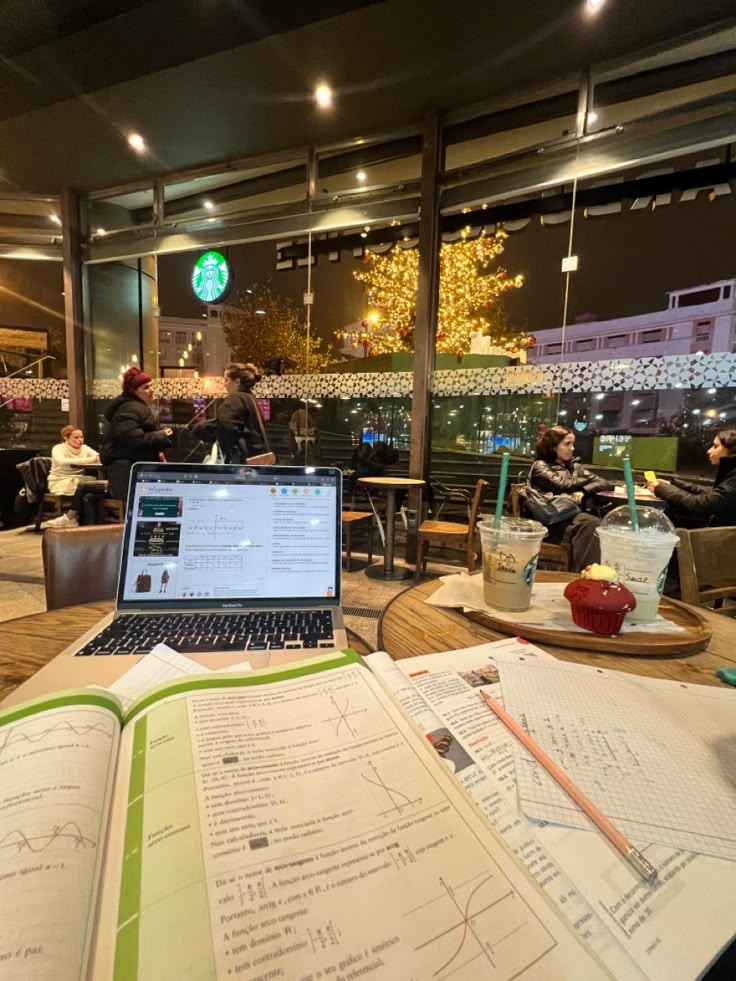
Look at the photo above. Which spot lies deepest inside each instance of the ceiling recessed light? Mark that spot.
(260, 313)
(100, 231)
(55, 219)
(323, 96)
(136, 142)
(361, 176)
(208, 204)
(594, 4)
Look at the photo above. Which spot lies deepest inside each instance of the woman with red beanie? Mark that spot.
(133, 434)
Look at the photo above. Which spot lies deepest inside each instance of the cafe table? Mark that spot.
(618, 500)
(409, 627)
(27, 644)
(391, 485)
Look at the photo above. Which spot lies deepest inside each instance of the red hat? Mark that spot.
(133, 379)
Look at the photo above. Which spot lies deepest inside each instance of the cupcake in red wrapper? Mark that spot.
(597, 600)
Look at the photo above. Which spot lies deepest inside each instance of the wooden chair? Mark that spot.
(113, 510)
(349, 518)
(449, 532)
(81, 565)
(557, 556)
(49, 505)
(707, 561)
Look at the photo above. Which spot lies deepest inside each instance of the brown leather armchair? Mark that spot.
(81, 565)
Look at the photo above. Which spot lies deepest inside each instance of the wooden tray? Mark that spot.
(632, 644)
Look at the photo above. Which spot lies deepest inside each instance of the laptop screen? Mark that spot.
(231, 536)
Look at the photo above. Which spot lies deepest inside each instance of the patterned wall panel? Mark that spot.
(641, 374)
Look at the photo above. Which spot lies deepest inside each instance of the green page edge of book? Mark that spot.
(75, 696)
(266, 676)
(125, 958)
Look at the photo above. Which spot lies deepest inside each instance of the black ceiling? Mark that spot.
(53, 50)
(211, 80)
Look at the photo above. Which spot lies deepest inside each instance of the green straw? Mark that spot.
(501, 490)
(630, 493)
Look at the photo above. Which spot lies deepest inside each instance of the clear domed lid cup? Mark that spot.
(640, 557)
(653, 522)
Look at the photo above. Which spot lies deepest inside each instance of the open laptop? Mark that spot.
(241, 562)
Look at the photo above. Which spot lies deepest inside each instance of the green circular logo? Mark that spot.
(211, 277)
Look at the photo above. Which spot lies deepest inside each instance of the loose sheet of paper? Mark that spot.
(549, 608)
(654, 922)
(161, 665)
(657, 757)
(301, 829)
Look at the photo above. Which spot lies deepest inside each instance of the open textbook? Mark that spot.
(285, 823)
(667, 931)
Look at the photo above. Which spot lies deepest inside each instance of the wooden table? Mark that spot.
(390, 485)
(641, 500)
(409, 626)
(29, 643)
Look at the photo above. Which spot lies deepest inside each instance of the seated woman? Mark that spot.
(556, 472)
(68, 479)
(689, 503)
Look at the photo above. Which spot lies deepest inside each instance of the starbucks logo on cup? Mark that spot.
(529, 569)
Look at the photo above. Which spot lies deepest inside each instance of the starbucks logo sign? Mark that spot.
(211, 277)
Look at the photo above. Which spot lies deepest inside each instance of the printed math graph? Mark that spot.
(68, 834)
(26, 733)
(220, 529)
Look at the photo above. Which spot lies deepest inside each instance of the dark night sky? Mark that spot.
(628, 261)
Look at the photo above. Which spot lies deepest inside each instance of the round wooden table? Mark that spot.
(642, 500)
(29, 643)
(409, 626)
(390, 485)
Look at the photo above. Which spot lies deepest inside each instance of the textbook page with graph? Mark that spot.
(286, 823)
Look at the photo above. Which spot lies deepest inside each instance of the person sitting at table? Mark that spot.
(555, 471)
(68, 479)
(689, 503)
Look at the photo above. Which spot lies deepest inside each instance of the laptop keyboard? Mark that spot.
(189, 633)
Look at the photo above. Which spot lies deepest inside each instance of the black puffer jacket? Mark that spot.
(561, 478)
(133, 434)
(239, 428)
(716, 505)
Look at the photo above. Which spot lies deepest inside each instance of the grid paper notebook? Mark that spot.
(657, 757)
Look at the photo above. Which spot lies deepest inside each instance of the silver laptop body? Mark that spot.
(228, 558)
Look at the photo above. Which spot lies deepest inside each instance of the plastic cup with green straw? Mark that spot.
(501, 490)
(628, 477)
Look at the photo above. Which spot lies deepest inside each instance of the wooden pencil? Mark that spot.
(643, 867)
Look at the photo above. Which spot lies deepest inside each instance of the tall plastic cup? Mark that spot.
(510, 556)
(640, 557)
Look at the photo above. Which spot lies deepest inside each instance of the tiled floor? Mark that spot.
(22, 588)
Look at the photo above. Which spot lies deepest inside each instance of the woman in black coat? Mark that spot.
(240, 430)
(556, 472)
(133, 435)
(716, 505)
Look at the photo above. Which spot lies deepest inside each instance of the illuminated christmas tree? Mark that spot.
(469, 299)
(261, 325)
